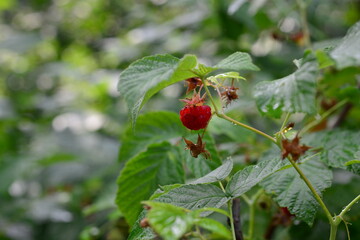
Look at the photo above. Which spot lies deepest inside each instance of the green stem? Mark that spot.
(333, 230)
(198, 233)
(347, 208)
(347, 229)
(223, 116)
(231, 219)
(285, 121)
(280, 134)
(251, 222)
(252, 207)
(312, 189)
(323, 116)
(246, 199)
(210, 96)
(222, 186)
(337, 219)
(302, 175)
(304, 24)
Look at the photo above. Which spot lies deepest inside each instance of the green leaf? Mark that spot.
(199, 166)
(222, 76)
(142, 174)
(290, 190)
(218, 174)
(238, 61)
(139, 233)
(347, 53)
(170, 222)
(147, 76)
(323, 59)
(211, 147)
(211, 209)
(293, 93)
(352, 162)
(215, 227)
(194, 197)
(202, 70)
(164, 189)
(337, 153)
(245, 179)
(153, 127)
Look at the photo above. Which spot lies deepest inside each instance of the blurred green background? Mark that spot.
(61, 117)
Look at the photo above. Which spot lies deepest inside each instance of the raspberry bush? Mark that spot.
(207, 191)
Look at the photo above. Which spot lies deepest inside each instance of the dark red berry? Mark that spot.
(195, 117)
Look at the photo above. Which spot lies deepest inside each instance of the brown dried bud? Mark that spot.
(293, 148)
(144, 223)
(198, 148)
(146, 207)
(290, 125)
(229, 94)
(193, 83)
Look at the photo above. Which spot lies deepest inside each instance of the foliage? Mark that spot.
(296, 187)
(62, 118)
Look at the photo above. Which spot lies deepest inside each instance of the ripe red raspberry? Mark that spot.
(195, 117)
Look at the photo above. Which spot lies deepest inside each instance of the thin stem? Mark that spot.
(251, 222)
(312, 189)
(280, 134)
(333, 231)
(343, 114)
(246, 199)
(347, 229)
(305, 179)
(347, 208)
(231, 219)
(222, 186)
(210, 96)
(323, 116)
(252, 206)
(337, 219)
(285, 121)
(304, 24)
(223, 116)
(198, 233)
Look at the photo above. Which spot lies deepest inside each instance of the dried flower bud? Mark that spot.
(144, 223)
(229, 94)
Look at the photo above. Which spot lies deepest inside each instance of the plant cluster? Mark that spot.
(179, 190)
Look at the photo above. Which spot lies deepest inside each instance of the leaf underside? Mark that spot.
(339, 147)
(293, 93)
(218, 174)
(290, 190)
(347, 53)
(194, 197)
(237, 62)
(245, 179)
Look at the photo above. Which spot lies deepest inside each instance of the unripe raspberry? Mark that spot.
(195, 117)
